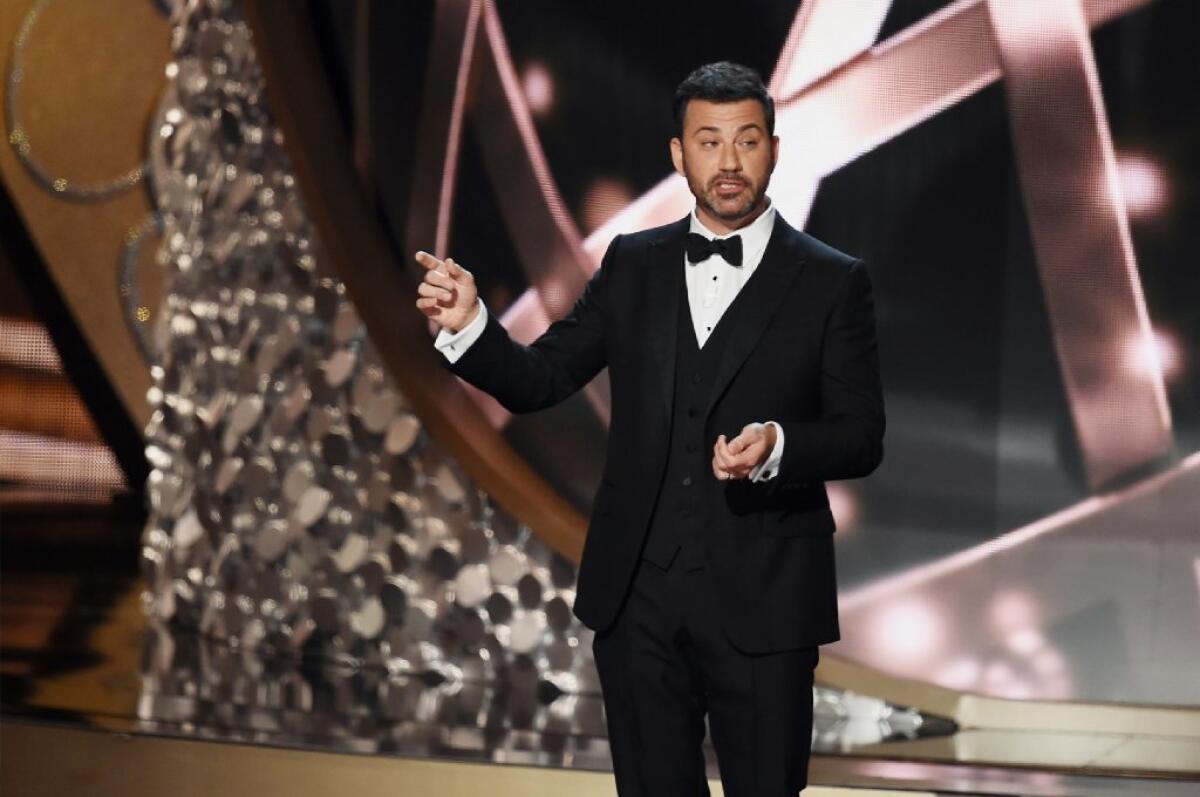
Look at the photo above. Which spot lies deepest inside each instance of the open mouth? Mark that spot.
(728, 188)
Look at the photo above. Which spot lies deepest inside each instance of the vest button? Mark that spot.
(696, 379)
(687, 481)
(689, 447)
(692, 412)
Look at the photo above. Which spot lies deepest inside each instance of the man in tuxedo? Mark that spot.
(742, 361)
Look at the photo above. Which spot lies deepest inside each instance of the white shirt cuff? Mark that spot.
(769, 468)
(453, 345)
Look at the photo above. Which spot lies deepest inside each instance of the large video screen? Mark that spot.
(1022, 181)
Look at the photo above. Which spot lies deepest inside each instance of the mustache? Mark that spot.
(728, 178)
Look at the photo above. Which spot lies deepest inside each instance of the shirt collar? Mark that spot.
(754, 236)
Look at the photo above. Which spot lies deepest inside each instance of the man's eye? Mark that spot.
(708, 143)
(749, 143)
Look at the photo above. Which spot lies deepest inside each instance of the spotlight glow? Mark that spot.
(1158, 354)
(1142, 183)
(910, 632)
(1025, 641)
(538, 86)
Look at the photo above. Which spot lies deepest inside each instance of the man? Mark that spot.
(741, 357)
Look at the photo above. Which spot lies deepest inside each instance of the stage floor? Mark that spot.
(86, 710)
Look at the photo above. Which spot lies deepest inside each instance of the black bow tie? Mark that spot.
(701, 248)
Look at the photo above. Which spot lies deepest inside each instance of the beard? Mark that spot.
(708, 198)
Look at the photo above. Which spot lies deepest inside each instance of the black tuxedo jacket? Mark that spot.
(802, 353)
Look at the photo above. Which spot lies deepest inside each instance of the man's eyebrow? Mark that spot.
(742, 129)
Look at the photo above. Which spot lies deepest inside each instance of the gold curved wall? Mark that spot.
(92, 75)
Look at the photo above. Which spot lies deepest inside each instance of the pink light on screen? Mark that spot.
(538, 86)
(1014, 611)
(1143, 184)
(1025, 641)
(1016, 690)
(843, 504)
(1048, 662)
(910, 632)
(604, 198)
(962, 673)
(998, 676)
(1159, 354)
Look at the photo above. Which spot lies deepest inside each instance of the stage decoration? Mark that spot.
(18, 135)
(236, 694)
(298, 505)
(135, 313)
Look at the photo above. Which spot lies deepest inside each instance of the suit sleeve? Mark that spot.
(453, 344)
(563, 359)
(846, 441)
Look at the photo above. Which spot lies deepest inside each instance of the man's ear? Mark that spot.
(774, 150)
(677, 155)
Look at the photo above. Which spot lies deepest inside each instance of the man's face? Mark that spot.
(727, 158)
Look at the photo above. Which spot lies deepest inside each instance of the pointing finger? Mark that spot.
(427, 260)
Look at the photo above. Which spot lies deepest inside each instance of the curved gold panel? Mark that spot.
(92, 75)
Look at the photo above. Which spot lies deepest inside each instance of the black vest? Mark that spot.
(679, 514)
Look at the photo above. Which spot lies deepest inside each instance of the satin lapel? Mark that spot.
(663, 285)
(758, 302)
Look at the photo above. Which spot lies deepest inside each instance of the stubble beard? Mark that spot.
(706, 197)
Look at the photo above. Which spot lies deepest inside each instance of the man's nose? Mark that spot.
(729, 160)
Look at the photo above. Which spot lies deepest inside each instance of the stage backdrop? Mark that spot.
(1021, 179)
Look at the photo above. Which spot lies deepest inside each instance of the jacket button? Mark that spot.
(687, 481)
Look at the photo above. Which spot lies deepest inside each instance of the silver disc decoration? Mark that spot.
(299, 507)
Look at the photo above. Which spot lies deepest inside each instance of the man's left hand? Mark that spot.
(734, 459)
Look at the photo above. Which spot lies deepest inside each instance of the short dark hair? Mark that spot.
(723, 81)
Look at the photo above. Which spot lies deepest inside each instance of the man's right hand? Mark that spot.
(447, 295)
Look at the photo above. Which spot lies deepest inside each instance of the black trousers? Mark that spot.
(666, 663)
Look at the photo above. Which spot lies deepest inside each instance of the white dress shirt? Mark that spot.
(712, 285)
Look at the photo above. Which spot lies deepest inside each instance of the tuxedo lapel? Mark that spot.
(663, 286)
(758, 302)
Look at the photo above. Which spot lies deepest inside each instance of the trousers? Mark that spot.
(666, 667)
